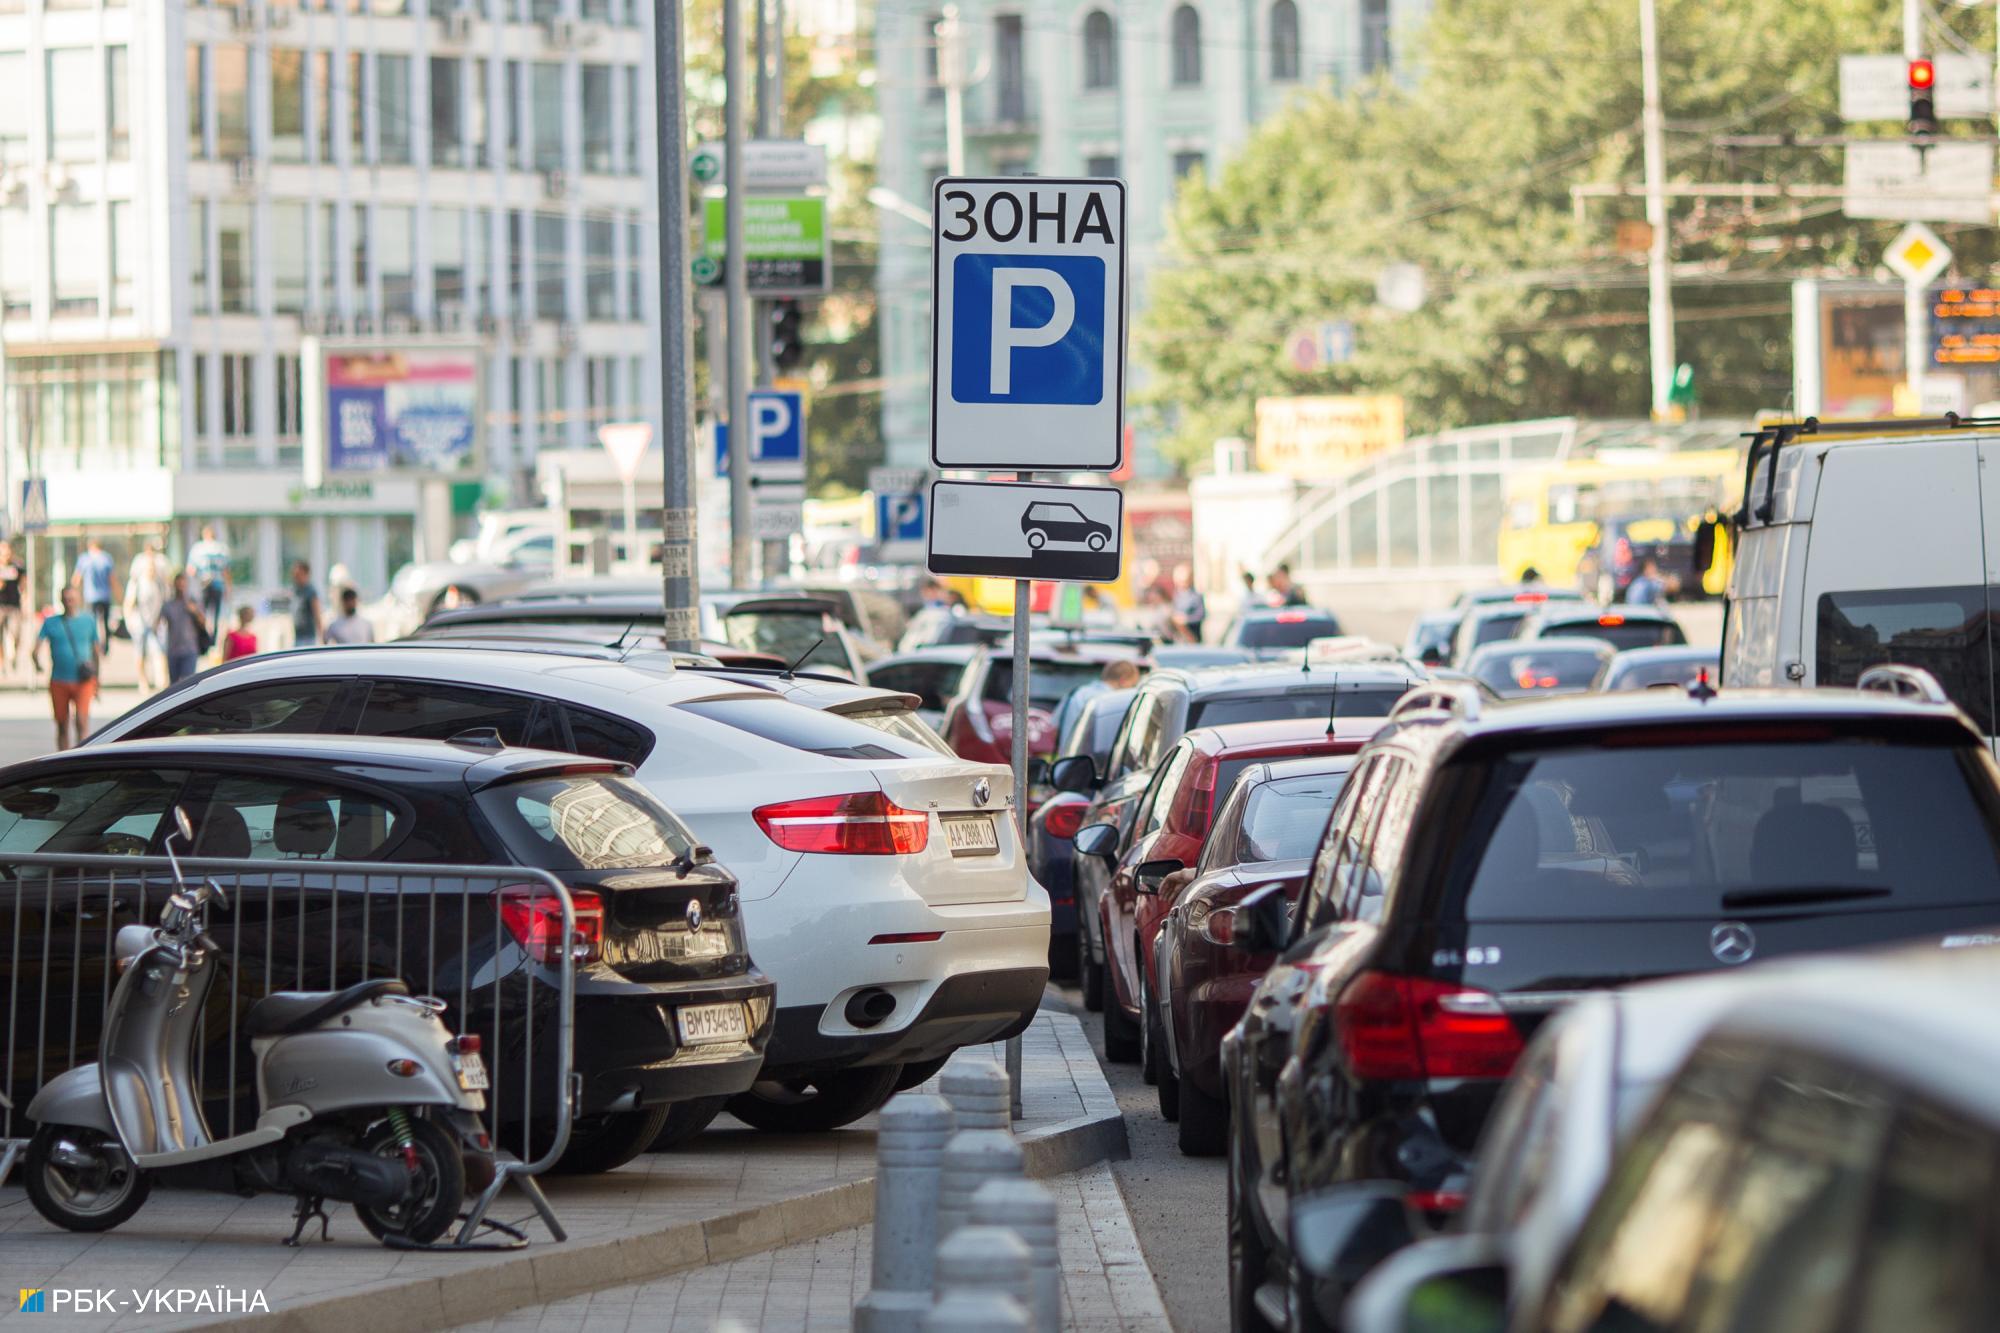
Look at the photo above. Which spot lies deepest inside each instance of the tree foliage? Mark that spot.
(1532, 310)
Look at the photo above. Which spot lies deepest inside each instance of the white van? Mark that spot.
(1864, 543)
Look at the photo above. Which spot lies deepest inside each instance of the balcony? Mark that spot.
(1003, 107)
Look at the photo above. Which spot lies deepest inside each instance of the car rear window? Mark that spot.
(1283, 819)
(1659, 830)
(1645, 675)
(1617, 631)
(1528, 672)
(1287, 629)
(1492, 629)
(788, 634)
(809, 729)
(1372, 702)
(1048, 682)
(904, 726)
(591, 821)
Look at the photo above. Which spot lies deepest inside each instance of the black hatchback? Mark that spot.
(1482, 867)
(670, 1011)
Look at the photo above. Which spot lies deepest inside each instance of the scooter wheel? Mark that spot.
(81, 1180)
(440, 1187)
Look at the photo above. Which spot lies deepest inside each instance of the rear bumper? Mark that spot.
(629, 1052)
(962, 1010)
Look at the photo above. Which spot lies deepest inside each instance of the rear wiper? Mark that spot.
(1828, 893)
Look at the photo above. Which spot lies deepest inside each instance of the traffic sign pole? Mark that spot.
(736, 291)
(680, 590)
(1023, 593)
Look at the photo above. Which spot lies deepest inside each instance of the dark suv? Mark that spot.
(1483, 866)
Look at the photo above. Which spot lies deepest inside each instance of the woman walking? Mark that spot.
(181, 625)
(75, 654)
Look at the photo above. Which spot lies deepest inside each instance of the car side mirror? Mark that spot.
(1098, 840)
(1339, 1235)
(1148, 875)
(1261, 921)
(1448, 1284)
(1432, 657)
(1077, 773)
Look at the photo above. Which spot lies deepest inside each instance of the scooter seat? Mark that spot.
(285, 1012)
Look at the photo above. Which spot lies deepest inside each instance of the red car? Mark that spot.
(1266, 833)
(1164, 834)
(979, 719)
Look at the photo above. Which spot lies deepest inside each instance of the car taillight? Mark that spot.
(1290, 617)
(866, 823)
(1201, 798)
(1531, 597)
(1412, 1027)
(1062, 821)
(533, 916)
(1436, 1201)
(1611, 621)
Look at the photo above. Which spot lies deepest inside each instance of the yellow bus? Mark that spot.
(1554, 514)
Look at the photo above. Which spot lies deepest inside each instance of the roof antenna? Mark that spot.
(1332, 710)
(788, 672)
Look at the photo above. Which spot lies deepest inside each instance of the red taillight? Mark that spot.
(533, 916)
(1063, 820)
(466, 1044)
(1291, 617)
(909, 937)
(1413, 1027)
(1611, 620)
(1201, 797)
(1531, 597)
(866, 823)
(1436, 1201)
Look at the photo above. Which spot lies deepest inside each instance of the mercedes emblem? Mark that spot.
(982, 792)
(1732, 942)
(693, 915)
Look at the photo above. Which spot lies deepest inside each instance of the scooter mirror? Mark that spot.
(184, 824)
(215, 893)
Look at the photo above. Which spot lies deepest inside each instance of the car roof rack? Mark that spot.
(1766, 441)
(1437, 701)
(1905, 682)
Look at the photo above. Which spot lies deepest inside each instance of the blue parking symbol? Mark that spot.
(777, 427)
(1027, 328)
(899, 518)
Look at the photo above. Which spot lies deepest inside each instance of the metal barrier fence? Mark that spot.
(485, 940)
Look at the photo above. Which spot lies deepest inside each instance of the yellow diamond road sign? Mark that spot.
(1917, 255)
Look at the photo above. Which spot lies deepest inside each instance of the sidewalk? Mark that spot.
(733, 1193)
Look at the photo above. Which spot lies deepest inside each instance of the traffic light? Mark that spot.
(1923, 90)
(788, 338)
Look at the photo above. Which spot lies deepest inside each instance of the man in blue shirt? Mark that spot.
(96, 578)
(74, 658)
(1646, 589)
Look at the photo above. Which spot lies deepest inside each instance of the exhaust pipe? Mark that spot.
(866, 1008)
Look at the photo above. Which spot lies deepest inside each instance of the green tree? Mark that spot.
(1532, 307)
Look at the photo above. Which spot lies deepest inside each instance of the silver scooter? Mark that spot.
(363, 1096)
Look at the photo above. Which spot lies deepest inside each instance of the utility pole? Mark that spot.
(678, 570)
(954, 78)
(1659, 288)
(736, 292)
(776, 552)
(1916, 296)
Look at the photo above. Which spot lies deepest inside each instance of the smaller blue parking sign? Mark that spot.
(777, 433)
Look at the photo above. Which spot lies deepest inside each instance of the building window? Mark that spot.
(1187, 162)
(447, 112)
(1374, 35)
(358, 228)
(291, 398)
(1187, 47)
(229, 68)
(1104, 165)
(547, 121)
(14, 111)
(322, 101)
(448, 259)
(479, 141)
(933, 89)
(1100, 51)
(600, 269)
(517, 145)
(288, 104)
(635, 266)
(76, 253)
(396, 257)
(553, 398)
(235, 264)
(72, 104)
(597, 119)
(201, 416)
(1010, 68)
(478, 273)
(197, 91)
(517, 263)
(392, 109)
(598, 11)
(551, 241)
(288, 257)
(198, 257)
(239, 407)
(635, 107)
(357, 142)
(1285, 40)
(118, 102)
(17, 261)
(122, 255)
(328, 292)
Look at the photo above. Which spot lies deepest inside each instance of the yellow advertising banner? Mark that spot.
(1322, 436)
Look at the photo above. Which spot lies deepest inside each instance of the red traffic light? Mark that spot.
(1923, 75)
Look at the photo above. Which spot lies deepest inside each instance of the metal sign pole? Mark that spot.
(682, 624)
(736, 292)
(1023, 594)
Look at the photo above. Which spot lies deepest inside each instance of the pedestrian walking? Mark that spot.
(308, 615)
(241, 641)
(75, 656)
(1646, 588)
(12, 576)
(96, 577)
(1190, 607)
(208, 566)
(182, 626)
(1284, 592)
(350, 626)
(147, 586)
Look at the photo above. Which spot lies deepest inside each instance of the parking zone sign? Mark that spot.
(1028, 324)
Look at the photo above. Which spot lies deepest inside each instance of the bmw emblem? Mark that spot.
(693, 916)
(982, 792)
(1732, 942)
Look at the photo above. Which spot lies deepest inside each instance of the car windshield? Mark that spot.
(1284, 818)
(1644, 828)
(1528, 672)
(1287, 629)
(1327, 703)
(1645, 675)
(1617, 631)
(1493, 628)
(585, 822)
(1049, 682)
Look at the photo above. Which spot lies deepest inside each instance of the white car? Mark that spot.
(883, 884)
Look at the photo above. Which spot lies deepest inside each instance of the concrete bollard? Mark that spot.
(993, 1259)
(909, 1147)
(977, 1090)
(1029, 1211)
(971, 1158)
(977, 1312)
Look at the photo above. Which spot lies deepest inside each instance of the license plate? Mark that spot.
(471, 1072)
(702, 1023)
(971, 835)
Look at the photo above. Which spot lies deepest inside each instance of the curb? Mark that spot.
(573, 1268)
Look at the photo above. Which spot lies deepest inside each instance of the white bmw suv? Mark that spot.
(883, 885)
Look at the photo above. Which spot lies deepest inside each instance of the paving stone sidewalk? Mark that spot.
(733, 1192)
(812, 1287)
